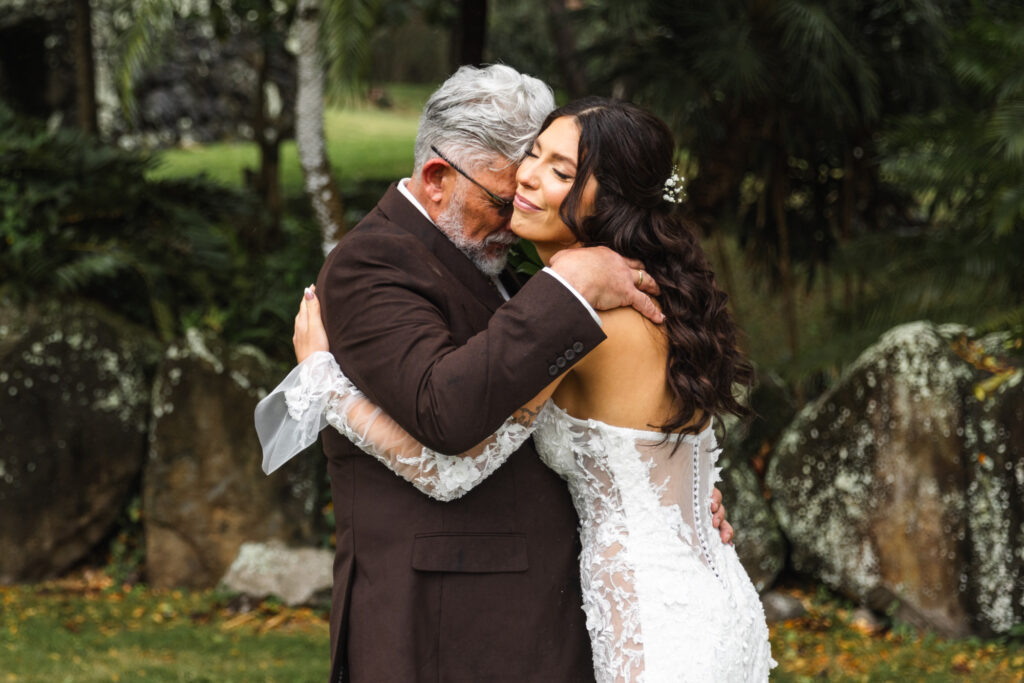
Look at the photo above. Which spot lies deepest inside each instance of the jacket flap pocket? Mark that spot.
(471, 553)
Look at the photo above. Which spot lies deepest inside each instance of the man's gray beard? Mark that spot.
(450, 223)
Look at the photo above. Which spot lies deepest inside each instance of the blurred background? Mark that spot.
(856, 170)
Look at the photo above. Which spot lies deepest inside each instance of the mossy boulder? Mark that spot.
(74, 400)
(204, 493)
(993, 433)
(880, 489)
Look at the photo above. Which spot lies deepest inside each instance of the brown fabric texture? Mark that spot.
(484, 588)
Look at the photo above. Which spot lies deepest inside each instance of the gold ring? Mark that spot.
(640, 280)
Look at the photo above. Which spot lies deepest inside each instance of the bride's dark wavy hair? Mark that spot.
(629, 153)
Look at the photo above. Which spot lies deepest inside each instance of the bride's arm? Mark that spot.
(317, 393)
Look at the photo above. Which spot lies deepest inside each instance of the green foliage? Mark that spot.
(81, 219)
(347, 29)
(523, 258)
(88, 629)
(127, 550)
(362, 144)
(872, 149)
(151, 29)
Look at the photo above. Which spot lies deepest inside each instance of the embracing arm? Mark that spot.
(397, 323)
(317, 393)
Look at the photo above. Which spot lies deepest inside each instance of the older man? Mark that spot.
(484, 588)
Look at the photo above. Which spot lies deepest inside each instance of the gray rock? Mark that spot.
(881, 492)
(204, 493)
(993, 447)
(781, 607)
(73, 404)
(293, 574)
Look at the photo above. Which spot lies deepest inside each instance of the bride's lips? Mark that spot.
(521, 202)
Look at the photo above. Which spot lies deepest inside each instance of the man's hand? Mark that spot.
(607, 280)
(310, 334)
(718, 517)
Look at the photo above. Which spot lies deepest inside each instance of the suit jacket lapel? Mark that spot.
(402, 213)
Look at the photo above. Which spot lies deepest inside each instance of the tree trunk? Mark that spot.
(85, 72)
(565, 49)
(470, 34)
(309, 126)
(268, 138)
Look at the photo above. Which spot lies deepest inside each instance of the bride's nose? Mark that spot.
(526, 175)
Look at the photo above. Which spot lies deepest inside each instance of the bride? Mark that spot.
(628, 427)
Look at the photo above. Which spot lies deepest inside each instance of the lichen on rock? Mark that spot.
(72, 419)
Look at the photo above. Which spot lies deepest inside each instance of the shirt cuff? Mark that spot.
(586, 304)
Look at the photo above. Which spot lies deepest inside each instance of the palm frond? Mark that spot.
(141, 46)
(103, 262)
(346, 33)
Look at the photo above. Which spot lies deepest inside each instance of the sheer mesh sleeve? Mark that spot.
(316, 393)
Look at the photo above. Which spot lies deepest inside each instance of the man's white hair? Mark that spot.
(481, 113)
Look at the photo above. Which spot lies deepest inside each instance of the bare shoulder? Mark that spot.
(629, 334)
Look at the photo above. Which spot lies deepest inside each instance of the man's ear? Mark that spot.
(434, 176)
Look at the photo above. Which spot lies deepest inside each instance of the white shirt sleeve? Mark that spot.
(579, 296)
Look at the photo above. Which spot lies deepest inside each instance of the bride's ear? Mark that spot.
(435, 176)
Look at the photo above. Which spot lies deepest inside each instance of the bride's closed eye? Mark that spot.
(535, 153)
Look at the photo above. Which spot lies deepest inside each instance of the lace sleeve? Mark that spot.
(316, 393)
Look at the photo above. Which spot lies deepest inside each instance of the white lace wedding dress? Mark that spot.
(665, 599)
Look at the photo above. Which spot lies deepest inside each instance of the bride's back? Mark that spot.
(623, 381)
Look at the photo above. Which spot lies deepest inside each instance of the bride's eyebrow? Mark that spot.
(555, 155)
(564, 159)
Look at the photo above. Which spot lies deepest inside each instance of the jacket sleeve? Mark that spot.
(386, 302)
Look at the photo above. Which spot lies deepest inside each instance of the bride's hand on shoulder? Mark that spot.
(310, 335)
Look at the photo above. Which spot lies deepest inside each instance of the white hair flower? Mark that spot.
(674, 190)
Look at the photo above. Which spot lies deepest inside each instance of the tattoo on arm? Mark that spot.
(525, 416)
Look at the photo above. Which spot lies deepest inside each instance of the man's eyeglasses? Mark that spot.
(500, 203)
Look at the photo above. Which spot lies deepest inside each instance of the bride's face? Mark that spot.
(542, 182)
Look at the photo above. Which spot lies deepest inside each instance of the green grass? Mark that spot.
(57, 632)
(362, 143)
(86, 629)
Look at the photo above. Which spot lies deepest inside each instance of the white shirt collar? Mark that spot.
(412, 200)
(415, 202)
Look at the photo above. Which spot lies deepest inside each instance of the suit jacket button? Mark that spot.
(578, 347)
(561, 362)
(569, 354)
(553, 370)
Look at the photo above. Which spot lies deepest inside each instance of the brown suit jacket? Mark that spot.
(484, 588)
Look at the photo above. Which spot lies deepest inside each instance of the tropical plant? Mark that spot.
(964, 162)
(79, 219)
(778, 104)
